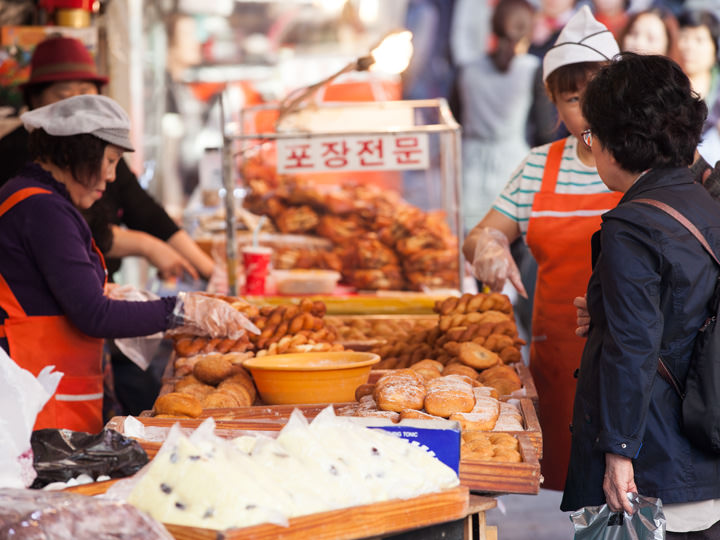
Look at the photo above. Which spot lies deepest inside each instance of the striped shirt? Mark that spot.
(574, 177)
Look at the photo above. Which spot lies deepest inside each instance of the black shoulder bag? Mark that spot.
(701, 395)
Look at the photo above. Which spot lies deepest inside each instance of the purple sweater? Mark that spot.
(47, 260)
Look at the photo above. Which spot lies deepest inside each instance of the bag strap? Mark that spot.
(662, 369)
(684, 222)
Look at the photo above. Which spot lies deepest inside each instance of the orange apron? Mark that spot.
(559, 232)
(39, 341)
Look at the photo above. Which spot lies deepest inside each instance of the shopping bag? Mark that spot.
(600, 523)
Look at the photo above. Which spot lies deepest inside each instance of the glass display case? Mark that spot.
(379, 180)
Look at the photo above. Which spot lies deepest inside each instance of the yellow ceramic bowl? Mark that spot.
(329, 377)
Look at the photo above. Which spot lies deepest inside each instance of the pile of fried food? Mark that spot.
(427, 390)
(381, 242)
(477, 330)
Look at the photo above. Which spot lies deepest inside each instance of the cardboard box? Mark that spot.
(439, 437)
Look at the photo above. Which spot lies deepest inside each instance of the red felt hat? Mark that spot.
(62, 59)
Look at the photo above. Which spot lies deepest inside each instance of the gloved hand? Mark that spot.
(203, 315)
(492, 262)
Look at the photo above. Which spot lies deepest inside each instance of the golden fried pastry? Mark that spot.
(390, 415)
(212, 369)
(413, 413)
(239, 391)
(366, 389)
(485, 391)
(504, 378)
(447, 395)
(474, 421)
(428, 374)
(506, 454)
(175, 403)
(477, 356)
(456, 368)
(402, 389)
(185, 381)
(503, 440)
(428, 363)
(198, 390)
(242, 378)
(219, 399)
(510, 355)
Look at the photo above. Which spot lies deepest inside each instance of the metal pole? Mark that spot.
(229, 184)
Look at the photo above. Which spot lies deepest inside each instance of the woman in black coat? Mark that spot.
(647, 297)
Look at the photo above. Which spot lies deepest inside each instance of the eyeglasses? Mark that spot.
(587, 137)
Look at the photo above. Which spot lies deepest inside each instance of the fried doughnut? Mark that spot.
(413, 413)
(510, 355)
(404, 389)
(447, 395)
(366, 389)
(185, 381)
(219, 399)
(503, 440)
(457, 368)
(497, 342)
(480, 419)
(506, 454)
(428, 362)
(428, 373)
(212, 369)
(484, 391)
(391, 415)
(175, 403)
(477, 356)
(189, 346)
(199, 391)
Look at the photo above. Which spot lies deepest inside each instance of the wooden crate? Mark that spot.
(500, 477)
(388, 517)
(233, 422)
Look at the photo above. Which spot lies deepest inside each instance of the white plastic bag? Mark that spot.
(600, 523)
(22, 397)
(138, 349)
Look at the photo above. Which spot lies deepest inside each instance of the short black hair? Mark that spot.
(644, 112)
(81, 154)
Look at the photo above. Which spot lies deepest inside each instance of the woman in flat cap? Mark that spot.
(554, 200)
(53, 310)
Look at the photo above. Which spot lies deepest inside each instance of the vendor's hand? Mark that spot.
(583, 316)
(493, 263)
(618, 481)
(169, 262)
(204, 315)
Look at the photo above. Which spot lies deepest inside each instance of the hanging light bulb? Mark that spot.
(393, 53)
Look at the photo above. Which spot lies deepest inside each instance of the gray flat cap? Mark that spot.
(96, 115)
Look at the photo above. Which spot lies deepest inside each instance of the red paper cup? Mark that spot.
(256, 260)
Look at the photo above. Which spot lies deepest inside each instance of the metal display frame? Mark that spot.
(433, 117)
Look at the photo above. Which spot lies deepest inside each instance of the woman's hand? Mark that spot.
(583, 316)
(619, 480)
(169, 262)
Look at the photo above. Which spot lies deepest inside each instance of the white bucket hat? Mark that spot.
(583, 39)
(93, 114)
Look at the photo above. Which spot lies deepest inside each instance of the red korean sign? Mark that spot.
(353, 153)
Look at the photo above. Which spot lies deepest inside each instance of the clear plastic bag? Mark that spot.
(600, 523)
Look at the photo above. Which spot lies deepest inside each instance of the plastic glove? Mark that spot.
(492, 262)
(204, 315)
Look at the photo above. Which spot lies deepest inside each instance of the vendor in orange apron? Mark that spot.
(559, 232)
(38, 341)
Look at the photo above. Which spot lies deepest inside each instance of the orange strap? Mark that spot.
(18, 196)
(552, 166)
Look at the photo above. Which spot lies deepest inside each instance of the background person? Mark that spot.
(496, 97)
(62, 67)
(647, 298)
(554, 201)
(652, 31)
(53, 310)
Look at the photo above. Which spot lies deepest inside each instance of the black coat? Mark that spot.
(647, 297)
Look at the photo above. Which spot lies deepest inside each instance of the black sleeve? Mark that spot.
(13, 153)
(129, 204)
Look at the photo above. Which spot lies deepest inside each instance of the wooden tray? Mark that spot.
(369, 520)
(499, 477)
